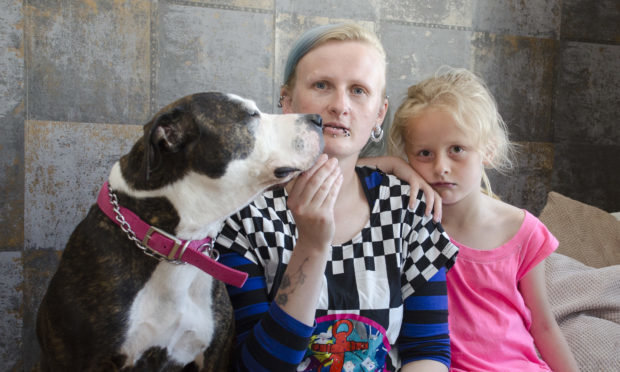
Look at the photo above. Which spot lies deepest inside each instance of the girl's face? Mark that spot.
(342, 81)
(443, 155)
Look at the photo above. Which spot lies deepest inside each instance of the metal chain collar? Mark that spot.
(132, 235)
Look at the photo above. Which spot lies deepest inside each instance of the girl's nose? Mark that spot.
(442, 165)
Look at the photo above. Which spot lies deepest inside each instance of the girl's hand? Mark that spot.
(311, 199)
(401, 169)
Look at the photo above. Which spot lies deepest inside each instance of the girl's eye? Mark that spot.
(424, 153)
(457, 149)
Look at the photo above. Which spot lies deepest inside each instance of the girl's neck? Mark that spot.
(464, 211)
(481, 222)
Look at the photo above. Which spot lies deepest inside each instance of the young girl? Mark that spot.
(449, 130)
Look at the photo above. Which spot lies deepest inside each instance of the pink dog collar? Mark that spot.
(164, 246)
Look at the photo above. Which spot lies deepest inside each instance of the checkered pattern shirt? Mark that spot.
(390, 278)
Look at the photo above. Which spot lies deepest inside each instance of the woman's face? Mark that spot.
(343, 81)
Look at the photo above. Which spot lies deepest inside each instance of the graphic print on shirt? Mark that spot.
(346, 342)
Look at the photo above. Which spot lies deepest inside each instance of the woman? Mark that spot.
(343, 275)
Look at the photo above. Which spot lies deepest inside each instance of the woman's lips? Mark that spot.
(335, 131)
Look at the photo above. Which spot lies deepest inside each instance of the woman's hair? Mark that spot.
(322, 34)
(467, 99)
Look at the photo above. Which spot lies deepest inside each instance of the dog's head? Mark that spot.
(222, 146)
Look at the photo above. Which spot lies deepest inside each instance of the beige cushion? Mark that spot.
(586, 233)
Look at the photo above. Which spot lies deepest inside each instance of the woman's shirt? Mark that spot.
(489, 321)
(383, 288)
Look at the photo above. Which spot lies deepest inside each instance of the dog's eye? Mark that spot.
(255, 114)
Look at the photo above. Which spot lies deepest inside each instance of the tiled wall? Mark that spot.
(79, 78)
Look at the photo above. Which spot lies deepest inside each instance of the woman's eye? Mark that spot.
(320, 85)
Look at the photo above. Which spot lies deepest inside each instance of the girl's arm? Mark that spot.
(547, 334)
(401, 169)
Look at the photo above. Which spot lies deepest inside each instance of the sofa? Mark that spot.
(583, 280)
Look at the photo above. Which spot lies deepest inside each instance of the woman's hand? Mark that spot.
(401, 169)
(311, 199)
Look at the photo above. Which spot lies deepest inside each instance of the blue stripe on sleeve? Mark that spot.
(425, 330)
(233, 260)
(249, 362)
(440, 276)
(247, 311)
(427, 302)
(251, 284)
(275, 348)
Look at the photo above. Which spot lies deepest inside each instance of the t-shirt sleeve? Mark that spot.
(540, 244)
(267, 338)
(427, 248)
(424, 333)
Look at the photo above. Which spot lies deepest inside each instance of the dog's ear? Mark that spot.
(170, 131)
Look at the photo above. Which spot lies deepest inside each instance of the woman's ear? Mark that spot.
(383, 108)
(284, 101)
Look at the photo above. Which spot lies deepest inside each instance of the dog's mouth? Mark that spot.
(283, 172)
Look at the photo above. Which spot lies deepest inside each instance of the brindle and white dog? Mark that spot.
(111, 307)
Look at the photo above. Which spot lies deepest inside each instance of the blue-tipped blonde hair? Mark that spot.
(322, 34)
(464, 96)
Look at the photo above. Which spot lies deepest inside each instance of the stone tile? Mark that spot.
(587, 98)
(12, 116)
(250, 4)
(516, 17)
(88, 61)
(519, 73)
(66, 164)
(591, 21)
(526, 186)
(11, 307)
(358, 10)
(39, 267)
(197, 52)
(588, 173)
(449, 13)
(414, 53)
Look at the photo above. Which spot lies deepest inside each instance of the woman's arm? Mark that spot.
(547, 334)
(311, 199)
(424, 366)
(401, 169)
(424, 343)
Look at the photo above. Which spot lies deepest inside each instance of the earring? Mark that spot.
(376, 134)
(280, 101)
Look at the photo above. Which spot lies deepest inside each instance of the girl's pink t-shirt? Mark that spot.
(489, 321)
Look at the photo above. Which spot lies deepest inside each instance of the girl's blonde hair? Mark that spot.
(467, 99)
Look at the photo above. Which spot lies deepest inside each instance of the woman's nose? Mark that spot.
(339, 103)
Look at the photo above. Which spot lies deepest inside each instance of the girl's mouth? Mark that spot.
(335, 131)
(443, 184)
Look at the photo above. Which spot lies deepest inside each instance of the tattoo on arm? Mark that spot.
(289, 283)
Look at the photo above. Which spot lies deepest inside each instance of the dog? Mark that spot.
(109, 306)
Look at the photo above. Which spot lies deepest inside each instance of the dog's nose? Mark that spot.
(316, 120)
